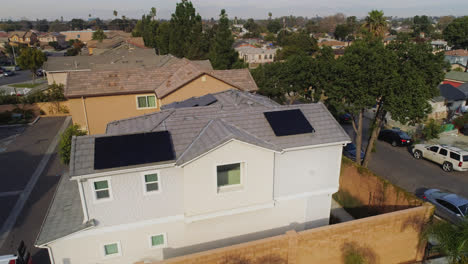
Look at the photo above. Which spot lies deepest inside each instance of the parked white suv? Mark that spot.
(451, 158)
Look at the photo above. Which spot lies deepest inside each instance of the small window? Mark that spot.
(443, 152)
(151, 182)
(449, 206)
(101, 189)
(265, 57)
(454, 156)
(434, 149)
(259, 57)
(112, 249)
(158, 241)
(271, 56)
(147, 101)
(228, 175)
(78, 36)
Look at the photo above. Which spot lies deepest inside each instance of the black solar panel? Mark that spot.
(288, 122)
(128, 150)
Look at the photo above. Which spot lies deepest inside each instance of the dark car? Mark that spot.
(8, 73)
(39, 73)
(395, 137)
(350, 151)
(345, 118)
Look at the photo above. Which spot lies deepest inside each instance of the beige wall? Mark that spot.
(104, 109)
(197, 87)
(81, 35)
(57, 77)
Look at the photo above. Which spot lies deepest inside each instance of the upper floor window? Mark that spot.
(151, 182)
(102, 189)
(265, 57)
(158, 241)
(228, 175)
(146, 101)
(271, 56)
(112, 249)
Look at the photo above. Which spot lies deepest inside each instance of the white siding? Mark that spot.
(307, 170)
(201, 195)
(129, 204)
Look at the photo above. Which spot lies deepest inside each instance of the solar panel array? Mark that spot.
(288, 122)
(135, 149)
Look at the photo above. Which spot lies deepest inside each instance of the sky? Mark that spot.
(258, 9)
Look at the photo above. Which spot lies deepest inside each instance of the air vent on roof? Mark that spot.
(135, 149)
(288, 122)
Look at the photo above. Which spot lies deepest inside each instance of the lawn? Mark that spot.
(25, 85)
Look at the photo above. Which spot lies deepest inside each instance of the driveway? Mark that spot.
(397, 165)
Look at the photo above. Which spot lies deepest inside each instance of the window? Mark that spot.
(78, 36)
(449, 206)
(265, 57)
(151, 182)
(443, 152)
(147, 101)
(102, 189)
(271, 56)
(158, 241)
(455, 156)
(228, 175)
(112, 249)
(434, 149)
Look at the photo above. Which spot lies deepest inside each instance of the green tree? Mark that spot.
(299, 43)
(66, 142)
(185, 31)
(363, 71)
(342, 31)
(375, 23)
(99, 35)
(42, 25)
(222, 55)
(451, 240)
(153, 13)
(77, 24)
(115, 13)
(274, 26)
(432, 130)
(418, 73)
(456, 33)
(252, 27)
(163, 37)
(31, 59)
(422, 24)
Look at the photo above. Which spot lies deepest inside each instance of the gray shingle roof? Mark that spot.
(65, 214)
(186, 125)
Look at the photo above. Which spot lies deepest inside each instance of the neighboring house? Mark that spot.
(457, 58)
(3, 38)
(187, 180)
(439, 108)
(96, 47)
(389, 38)
(252, 54)
(122, 57)
(52, 37)
(439, 44)
(100, 96)
(87, 35)
(456, 78)
(454, 96)
(334, 44)
(23, 37)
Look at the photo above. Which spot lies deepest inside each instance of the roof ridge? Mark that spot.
(196, 138)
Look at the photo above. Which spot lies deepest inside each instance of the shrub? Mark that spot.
(66, 140)
(460, 121)
(432, 130)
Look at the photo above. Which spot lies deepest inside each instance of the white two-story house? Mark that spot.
(185, 180)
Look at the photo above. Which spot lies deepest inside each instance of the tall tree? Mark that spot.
(375, 23)
(456, 33)
(422, 24)
(77, 24)
(406, 98)
(298, 43)
(42, 25)
(186, 30)
(99, 35)
(273, 26)
(115, 13)
(269, 15)
(222, 55)
(162, 38)
(31, 59)
(153, 13)
(342, 31)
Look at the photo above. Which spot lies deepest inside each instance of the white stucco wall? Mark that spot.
(200, 182)
(307, 170)
(57, 77)
(129, 202)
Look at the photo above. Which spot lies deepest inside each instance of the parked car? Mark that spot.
(451, 158)
(350, 151)
(448, 205)
(1, 70)
(8, 73)
(39, 73)
(345, 118)
(395, 137)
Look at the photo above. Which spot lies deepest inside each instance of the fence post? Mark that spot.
(293, 239)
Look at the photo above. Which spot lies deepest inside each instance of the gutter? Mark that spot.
(344, 143)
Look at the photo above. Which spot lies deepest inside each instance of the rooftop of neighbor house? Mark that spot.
(160, 80)
(458, 52)
(332, 43)
(457, 76)
(196, 130)
(123, 57)
(254, 50)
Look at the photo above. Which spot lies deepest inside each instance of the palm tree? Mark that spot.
(153, 13)
(451, 240)
(375, 23)
(115, 13)
(269, 15)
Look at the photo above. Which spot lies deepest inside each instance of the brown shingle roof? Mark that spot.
(240, 78)
(458, 52)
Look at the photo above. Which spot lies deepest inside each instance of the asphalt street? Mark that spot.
(397, 165)
(20, 76)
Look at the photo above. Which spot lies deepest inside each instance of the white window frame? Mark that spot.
(93, 191)
(150, 241)
(103, 250)
(144, 182)
(142, 108)
(234, 187)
